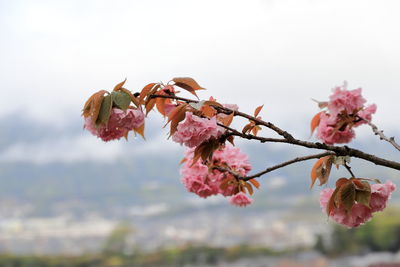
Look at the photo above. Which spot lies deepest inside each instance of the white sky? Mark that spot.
(54, 54)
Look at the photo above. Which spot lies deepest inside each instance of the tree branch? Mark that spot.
(381, 135)
(289, 139)
(286, 163)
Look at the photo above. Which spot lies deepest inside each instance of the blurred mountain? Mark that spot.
(61, 168)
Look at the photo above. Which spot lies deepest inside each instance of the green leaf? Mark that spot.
(105, 110)
(121, 99)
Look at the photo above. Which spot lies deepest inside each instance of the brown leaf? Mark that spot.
(257, 111)
(341, 182)
(105, 110)
(92, 105)
(249, 188)
(140, 130)
(119, 86)
(208, 111)
(160, 104)
(316, 170)
(247, 128)
(315, 121)
(150, 105)
(177, 115)
(146, 90)
(227, 120)
(332, 201)
(188, 84)
(347, 196)
(231, 139)
(255, 183)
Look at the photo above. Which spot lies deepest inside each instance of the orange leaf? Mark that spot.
(150, 105)
(188, 84)
(257, 111)
(249, 188)
(255, 183)
(227, 120)
(160, 104)
(314, 174)
(315, 121)
(176, 118)
(92, 106)
(140, 130)
(208, 111)
(119, 86)
(247, 128)
(146, 90)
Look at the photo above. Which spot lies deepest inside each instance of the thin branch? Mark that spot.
(289, 139)
(381, 135)
(286, 163)
(348, 168)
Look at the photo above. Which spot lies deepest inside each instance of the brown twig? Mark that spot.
(381, 135)
(286, 163)
(289, 139)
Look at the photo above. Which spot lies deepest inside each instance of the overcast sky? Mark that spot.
(54, 54)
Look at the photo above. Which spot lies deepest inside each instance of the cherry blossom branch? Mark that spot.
(381, 135)
(286, 163)
(289, 139)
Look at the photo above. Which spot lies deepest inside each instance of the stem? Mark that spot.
(283, 164)
(289, 139)
(381, 135)
(348, 168)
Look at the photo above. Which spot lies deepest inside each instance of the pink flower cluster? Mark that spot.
(195, 130)
(199, 180)
(344, 106)
(380, 194)
(119, 124)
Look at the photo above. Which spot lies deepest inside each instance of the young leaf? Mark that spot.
(92, 105)
(188, 84)
(150, 105)
(119, 86)
(249, 188)
(146, 90)
(321, 170)
(227, 120)
(315, 121)
(175, 117)
(105, 110)
(160, 104)
(255, 183)
(257, 111)
(140, 130)
(332, 201)
(363, 197)
(121, 99)
(347, 196)
(133, 98)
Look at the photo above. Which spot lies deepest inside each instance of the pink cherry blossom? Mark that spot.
(358, 215)
(197, 179)
(366, 114)
(381, 193)
(240, 200)
(118, 125)
(343, 99)
(195, 130)
(326, 131)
